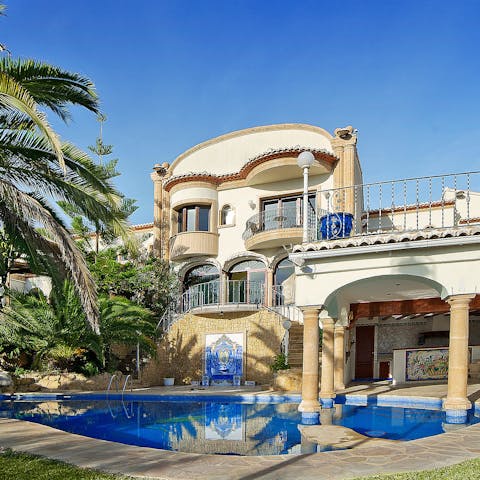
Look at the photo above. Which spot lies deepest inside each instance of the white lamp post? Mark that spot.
(305, 161)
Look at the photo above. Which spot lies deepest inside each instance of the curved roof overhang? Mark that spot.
(254, 170)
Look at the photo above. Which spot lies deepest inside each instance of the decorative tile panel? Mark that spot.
(224, 356)
(427, 364)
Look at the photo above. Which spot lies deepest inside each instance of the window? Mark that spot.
(194, 218)
(227, 215)
(285, 212)
(284, 283)
(246, 282)
(200, 274)
(201, 286)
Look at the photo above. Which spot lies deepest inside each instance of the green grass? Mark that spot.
(21, 466)
(469, 470)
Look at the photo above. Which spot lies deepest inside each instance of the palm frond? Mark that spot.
(27, 213)
(52, 86)
(13, 96)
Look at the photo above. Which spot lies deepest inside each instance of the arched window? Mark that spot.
(246, 282)
(201, 286)
(200, 274)
(284, 283)
(227, 215)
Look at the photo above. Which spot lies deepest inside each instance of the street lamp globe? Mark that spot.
(305, 159)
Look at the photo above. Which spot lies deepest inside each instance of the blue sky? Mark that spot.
(171, 74)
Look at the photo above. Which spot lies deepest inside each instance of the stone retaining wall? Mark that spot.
(181, 354)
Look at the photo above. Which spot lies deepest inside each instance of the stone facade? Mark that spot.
(181, 354)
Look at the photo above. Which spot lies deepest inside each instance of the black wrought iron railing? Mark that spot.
(281, 218)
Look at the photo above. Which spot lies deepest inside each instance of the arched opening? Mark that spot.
(246, 282)
(227, 215)
(201, 286)
(398, 327)
(284, 283)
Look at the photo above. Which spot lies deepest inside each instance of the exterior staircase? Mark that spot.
(474, 370)
(295, 345)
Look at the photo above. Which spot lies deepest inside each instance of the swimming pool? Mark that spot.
(217, 426)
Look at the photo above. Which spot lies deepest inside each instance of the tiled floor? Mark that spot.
(441, 450)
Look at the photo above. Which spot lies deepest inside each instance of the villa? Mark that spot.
(273, 233)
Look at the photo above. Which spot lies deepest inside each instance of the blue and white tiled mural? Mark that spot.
(224, 421)
(224, 357)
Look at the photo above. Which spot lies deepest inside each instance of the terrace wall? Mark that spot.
(182, 352)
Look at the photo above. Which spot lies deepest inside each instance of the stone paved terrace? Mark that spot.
(432, 452)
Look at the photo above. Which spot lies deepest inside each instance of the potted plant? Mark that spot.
(168, 381)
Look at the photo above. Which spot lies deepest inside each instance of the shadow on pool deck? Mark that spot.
(430, 452)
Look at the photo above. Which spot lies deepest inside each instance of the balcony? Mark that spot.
(238, 295)
(397, 211)
(191, 244)
(215, 297)
(269, 229)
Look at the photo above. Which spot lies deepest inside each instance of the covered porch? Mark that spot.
(389, 308)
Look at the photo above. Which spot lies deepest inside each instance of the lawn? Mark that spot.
(20, 466)
(469, 470)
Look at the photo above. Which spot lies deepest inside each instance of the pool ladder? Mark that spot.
(110, 383)
(128, 377)
(114, 379)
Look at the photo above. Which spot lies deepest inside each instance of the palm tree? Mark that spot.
(55, 328)
(47, 329)
(37, 169)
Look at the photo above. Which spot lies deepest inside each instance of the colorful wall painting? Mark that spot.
(427, 364)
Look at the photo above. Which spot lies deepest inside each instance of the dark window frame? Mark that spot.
(182, 217)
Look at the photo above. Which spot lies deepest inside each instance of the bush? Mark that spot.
(90, 369)
(279, 363)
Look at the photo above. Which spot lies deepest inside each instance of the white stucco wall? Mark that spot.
(191, 194)
(228, 153)
(451, 269)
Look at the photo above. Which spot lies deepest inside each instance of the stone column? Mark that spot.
(269, 287)
(327, 393)
(326, 416)
(338, 169)
(349, 177)
(159, 224)
(223, 287)
(456, 404)
(339, 357)
(310, 406)
(344, 145)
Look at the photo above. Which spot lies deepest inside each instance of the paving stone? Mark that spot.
(431, 452)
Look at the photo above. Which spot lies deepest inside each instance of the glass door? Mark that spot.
(270, 214)
(256, 286)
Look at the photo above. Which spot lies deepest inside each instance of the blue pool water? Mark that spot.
(224, 427)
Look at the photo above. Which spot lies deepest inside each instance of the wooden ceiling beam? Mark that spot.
(421, 306)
